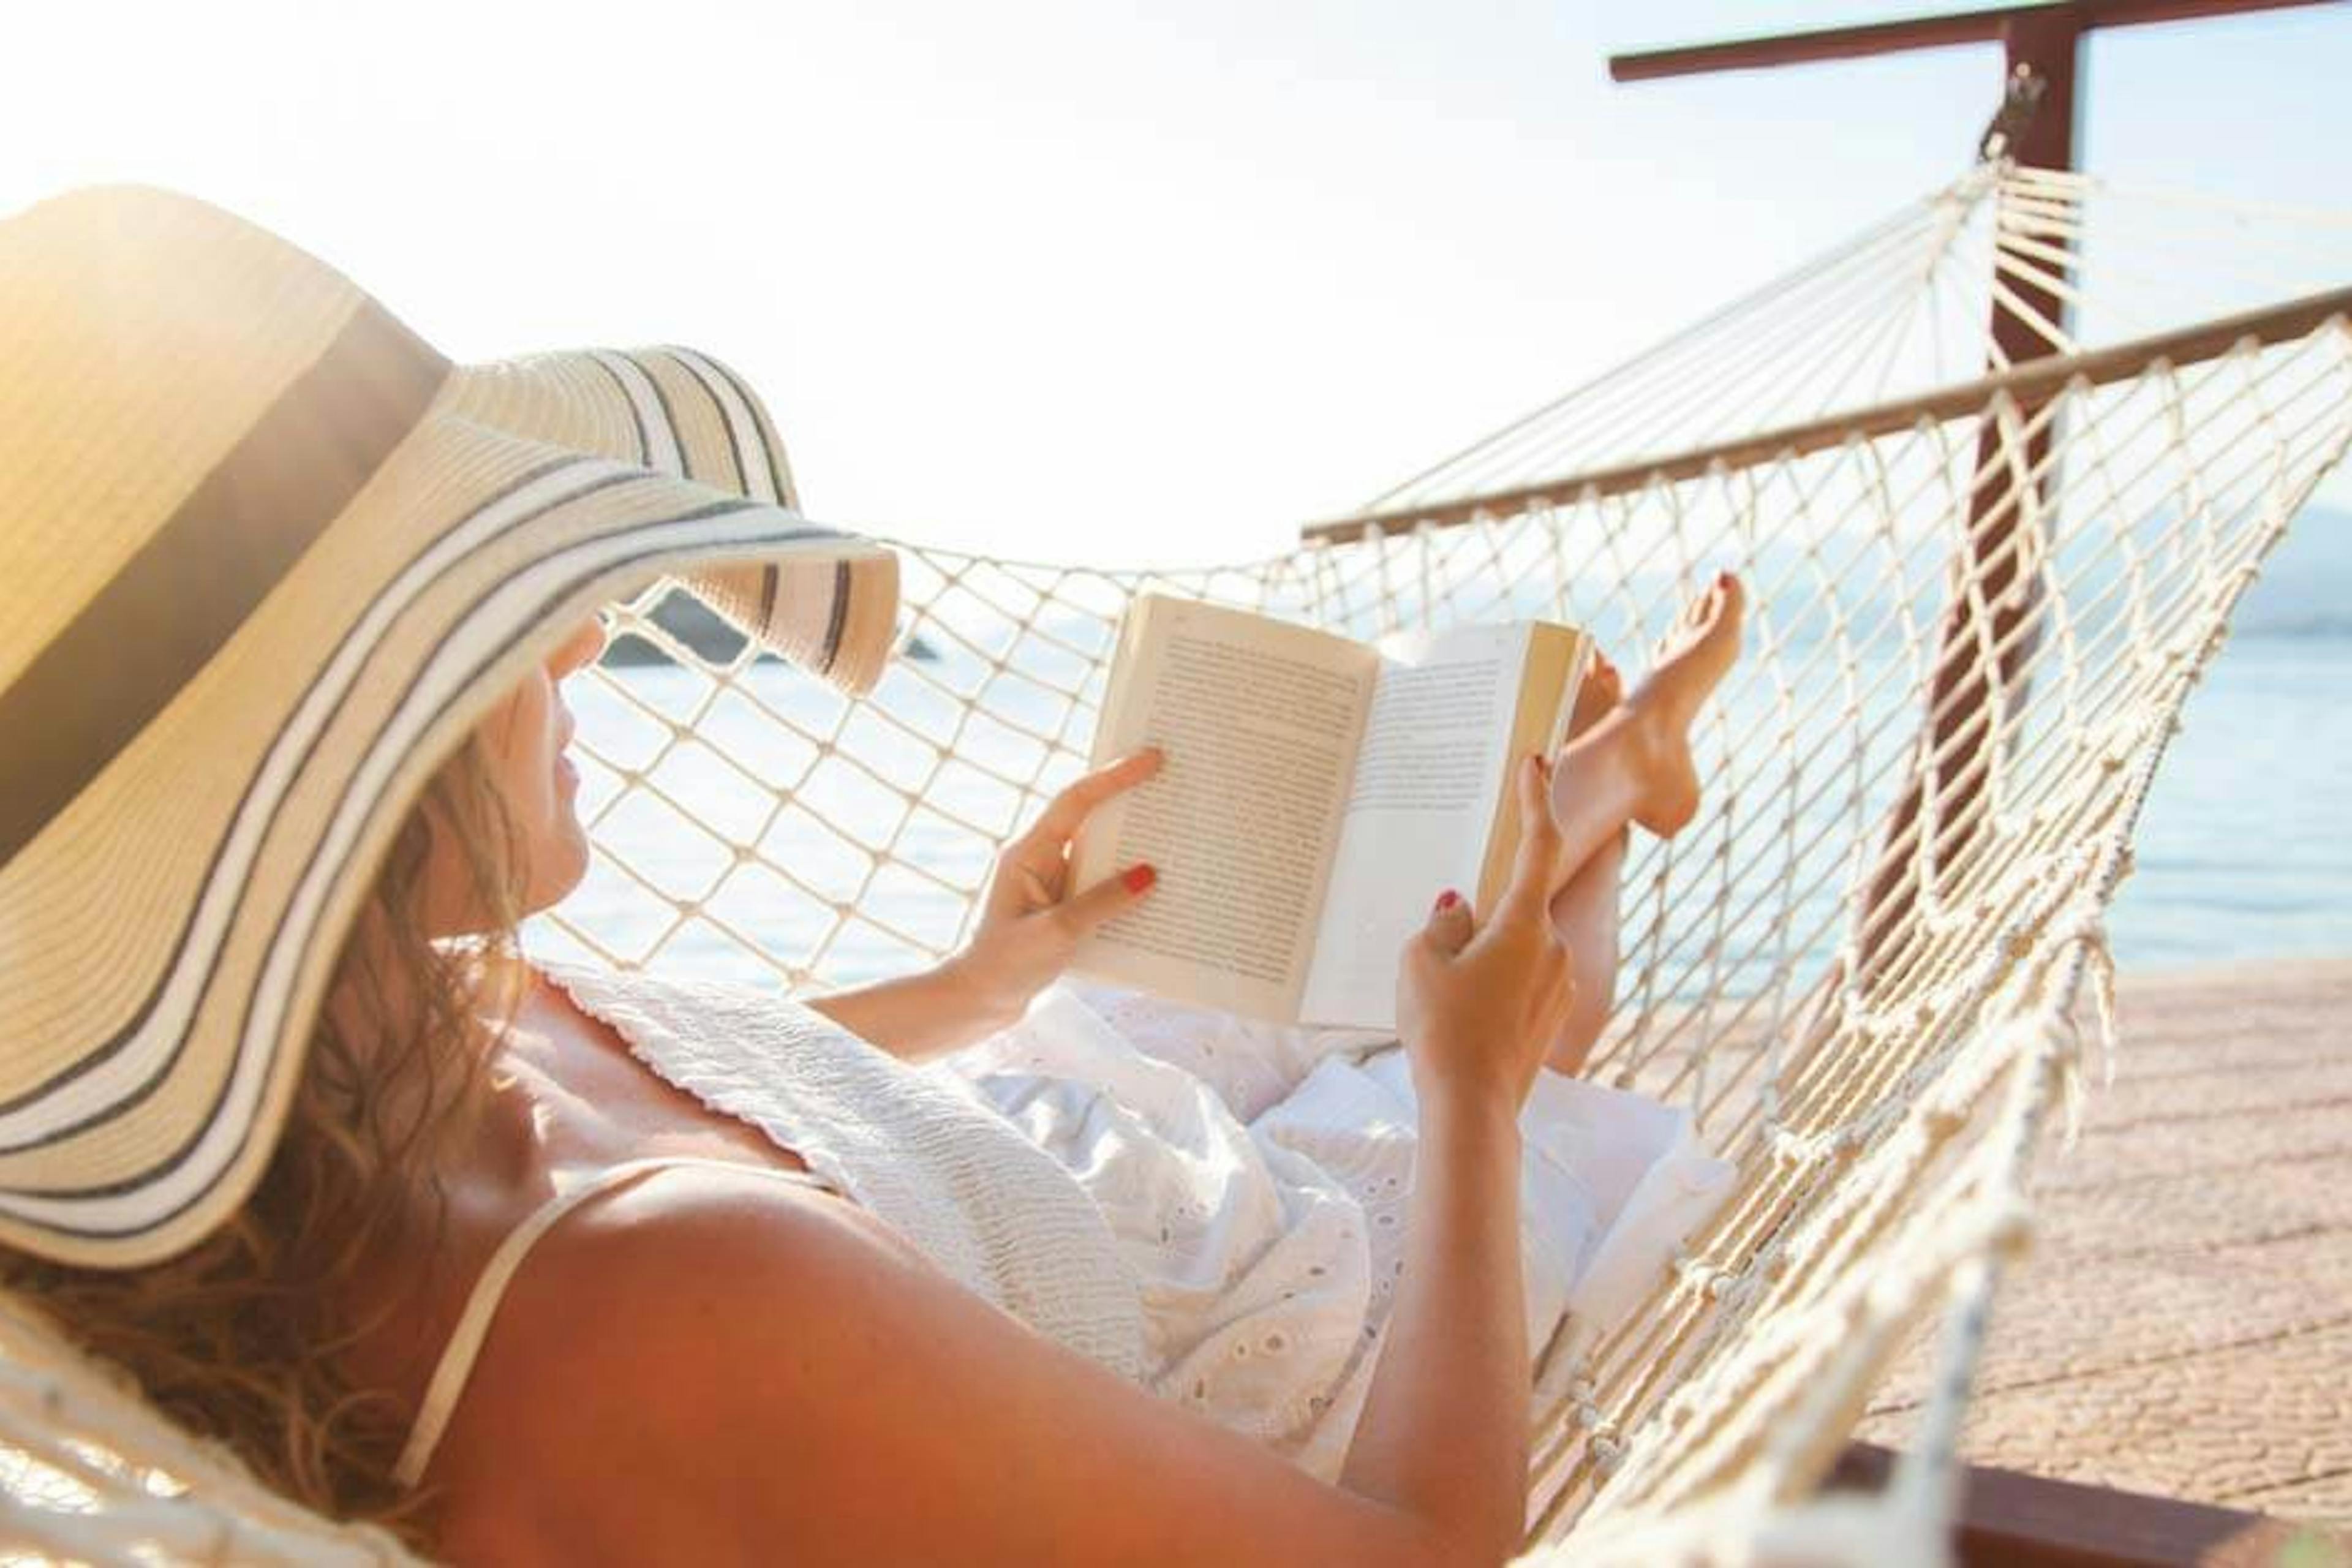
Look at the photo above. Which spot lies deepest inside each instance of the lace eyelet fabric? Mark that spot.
(1259, 1181)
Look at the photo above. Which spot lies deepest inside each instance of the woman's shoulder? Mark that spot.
(626, 1346)
(709, 1369)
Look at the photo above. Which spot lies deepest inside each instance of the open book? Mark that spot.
(1318, 794)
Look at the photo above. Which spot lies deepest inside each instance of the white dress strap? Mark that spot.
(456, 1364)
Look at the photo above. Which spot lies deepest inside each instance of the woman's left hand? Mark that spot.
(1030, 921)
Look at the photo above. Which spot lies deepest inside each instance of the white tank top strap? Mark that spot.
(456, 1364)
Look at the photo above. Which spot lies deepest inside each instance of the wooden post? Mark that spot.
(2035, 381)
(2010, 1520)
(1996, 599)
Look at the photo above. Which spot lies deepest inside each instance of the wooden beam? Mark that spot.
(2018, 1521)
(1985, 27)
(2027, 383)
(1805, 48)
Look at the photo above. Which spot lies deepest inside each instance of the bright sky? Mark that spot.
(1059, 279)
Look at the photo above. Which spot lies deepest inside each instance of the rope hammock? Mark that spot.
(1980, 590)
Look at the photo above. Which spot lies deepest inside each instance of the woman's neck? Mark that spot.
(385, 1019)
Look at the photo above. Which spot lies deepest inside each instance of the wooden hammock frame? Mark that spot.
(2028, 383)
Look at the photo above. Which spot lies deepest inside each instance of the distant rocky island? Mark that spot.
(707, 633)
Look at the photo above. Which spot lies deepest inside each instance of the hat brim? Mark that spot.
(148, 1140)
(679, 412)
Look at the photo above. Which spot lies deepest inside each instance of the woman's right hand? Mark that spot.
(1480, 1001)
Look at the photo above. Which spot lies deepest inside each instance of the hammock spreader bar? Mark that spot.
(2028, 382)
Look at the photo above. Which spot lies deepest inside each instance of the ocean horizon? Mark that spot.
(2243, 852)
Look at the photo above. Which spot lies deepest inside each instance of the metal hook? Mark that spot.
(2010, 122)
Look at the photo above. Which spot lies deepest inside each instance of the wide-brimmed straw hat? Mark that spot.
(265, 558)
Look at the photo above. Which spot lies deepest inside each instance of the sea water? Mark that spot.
(2246, 847)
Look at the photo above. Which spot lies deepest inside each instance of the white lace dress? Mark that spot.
(1251, 1183)
(1257, 1179)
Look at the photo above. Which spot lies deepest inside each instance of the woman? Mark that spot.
(616, 1268)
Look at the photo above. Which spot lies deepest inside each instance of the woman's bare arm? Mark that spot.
(923, 1015)
(1477, 1004)
(1445, 1428)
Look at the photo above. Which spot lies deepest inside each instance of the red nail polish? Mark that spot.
(1448, 899)
(1138, 877)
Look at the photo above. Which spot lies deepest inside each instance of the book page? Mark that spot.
(1435, 747)
(1260, 722)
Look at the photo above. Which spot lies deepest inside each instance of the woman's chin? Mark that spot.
(556, 869)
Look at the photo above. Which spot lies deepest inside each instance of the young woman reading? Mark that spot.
(541, 1265)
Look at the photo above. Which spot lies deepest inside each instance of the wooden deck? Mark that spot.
(2184, 1324)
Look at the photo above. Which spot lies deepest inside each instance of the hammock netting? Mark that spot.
(1981, 585)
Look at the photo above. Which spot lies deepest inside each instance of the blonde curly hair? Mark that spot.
(240, 1338)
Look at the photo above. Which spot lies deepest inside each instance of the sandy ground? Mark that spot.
(2183, 1325)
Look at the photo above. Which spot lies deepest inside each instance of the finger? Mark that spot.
(1067, 810)
(1450, 927)
(1107, 897)
(1529, 889)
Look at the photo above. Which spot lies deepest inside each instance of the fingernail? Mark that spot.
(1138, 877)
(1448, 899)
